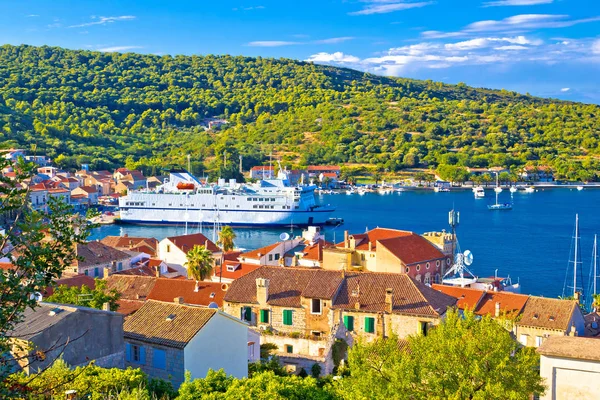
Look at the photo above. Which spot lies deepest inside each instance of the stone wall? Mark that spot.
(174, 370)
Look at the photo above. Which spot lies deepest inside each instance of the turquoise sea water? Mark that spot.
(531, 243)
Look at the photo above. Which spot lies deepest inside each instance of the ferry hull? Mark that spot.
(318, 216)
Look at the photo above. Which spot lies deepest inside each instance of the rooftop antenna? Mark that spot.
(453, 221)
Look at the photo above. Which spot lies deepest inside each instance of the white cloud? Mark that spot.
(272, 43)
(249, 8)
(384, 7)
(480, 43)
(511, 47)
(334, 40)
(32, 15)
(565, 89)
(118, 49)
(337, 57)
(596, 46)
(501, 3)
(104, 20)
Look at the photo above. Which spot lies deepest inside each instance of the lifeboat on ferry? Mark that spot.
(185, 186)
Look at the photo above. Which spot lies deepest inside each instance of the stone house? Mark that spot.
(173, 250)
(89, 192)
(388, 250)
(97, 259)
(142, 244)
(304, 310)
(167, 339)
(544, 317)
(77, 334)
(570, 367)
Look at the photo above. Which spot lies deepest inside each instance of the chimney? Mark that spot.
(158, 271)
(573, 331)
(370, 246)
(106, 306)
(178, 300)
(262, 291)
(576, 296)
(497, 310)
(106, 273)
(389, 304)
(206, 244)
(346, 242)
(357, 305)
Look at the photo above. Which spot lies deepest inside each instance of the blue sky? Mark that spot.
(548, 48)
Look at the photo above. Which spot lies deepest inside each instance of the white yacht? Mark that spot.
(478, 192)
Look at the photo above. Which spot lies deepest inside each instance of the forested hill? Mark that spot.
(109, 109)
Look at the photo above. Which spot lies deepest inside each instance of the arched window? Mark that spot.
(427, 265)
(418, 267)
(427, 279)
(407, 270)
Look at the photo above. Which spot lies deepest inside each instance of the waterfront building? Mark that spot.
(315, 170)
(304, 310)
(537, 173)
(75, 334)
(570, 367)
(388, 250)
(167, 339)
(544, 317)
(173, 250)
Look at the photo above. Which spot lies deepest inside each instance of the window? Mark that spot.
(418, 267)
(270, 257)
(369, 324)
(289, 348)
(407, 270)
(315, 306)
(135, 353)
(427, 279)
(349, 322)
(276, 256)
(264, 316)
(523, 340)
(120, 266)
(437, 263)
(427, 265)
(287, 317)
(423, 328)
(159, 359)
(168, 248)
(96, 271)
(86, 272)
(538, 341)
(246, 314)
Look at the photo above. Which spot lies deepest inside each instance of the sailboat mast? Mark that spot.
(575, 261)
(595, 264)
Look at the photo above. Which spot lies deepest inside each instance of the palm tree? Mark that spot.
(199, 263)
(326, 182)
(226, 238)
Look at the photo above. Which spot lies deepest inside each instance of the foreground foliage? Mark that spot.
(86, 296)
(462, 358)
(110, 109)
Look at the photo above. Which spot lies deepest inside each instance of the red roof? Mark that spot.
(6, 266)
(88, 189)
(315, 251)
(329, 175)
(262, 167)
(72, 281)
(467, 298)
(374, 235)
(128, 307)
(187, 242)
(169, 289)
(253, 255)
(412, 249)
(240, 269)
(511, 304)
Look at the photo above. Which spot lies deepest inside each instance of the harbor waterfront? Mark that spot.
(531, 242)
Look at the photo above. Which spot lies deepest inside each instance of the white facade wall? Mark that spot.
(568, 379)
(172, 255)
(253, 346)
(221, 343)
(301, 346)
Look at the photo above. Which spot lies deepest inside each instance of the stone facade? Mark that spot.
(174, 367)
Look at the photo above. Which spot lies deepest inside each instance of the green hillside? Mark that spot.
(111, 109)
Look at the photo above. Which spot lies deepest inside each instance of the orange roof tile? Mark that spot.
(412, 249)
(511, 304)
(240, 270)
(547, 313)
(168, 289)
(187, 242)
(253, 255)
(467, 298)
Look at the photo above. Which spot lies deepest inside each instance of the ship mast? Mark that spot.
(575, 260)
(595, 265)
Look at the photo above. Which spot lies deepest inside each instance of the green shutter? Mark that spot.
(248, 314)
(369, 324)
(264, 316)
(287, 317)
(349, 322)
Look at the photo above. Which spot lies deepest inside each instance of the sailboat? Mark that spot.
(577, 291)
(499, 206)
(593, 290)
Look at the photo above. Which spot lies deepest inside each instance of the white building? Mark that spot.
(571, 368)
(167, 339)
(173, 250)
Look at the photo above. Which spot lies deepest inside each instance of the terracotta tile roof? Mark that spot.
(94, 253)
(128, 307)
(329, 175)
(186, 242)
(315, 251)
(579, 348)
(151, 325)
(232, 255)
(547, 313)
(374, 235)
(467, 298)
(412, 249)
(131, 287)
(511, 304)
(286, 285)
(131, 243)
(240, 270)
(144, 270)
(261, 167)
(6, 266)
(168, 289)
(253, 255)
(88, 189)
(409, 296)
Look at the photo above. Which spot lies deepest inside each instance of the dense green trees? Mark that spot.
(462, 358)
(86, 296)
(145, 111)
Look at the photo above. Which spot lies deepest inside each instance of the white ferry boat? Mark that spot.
(184, 199)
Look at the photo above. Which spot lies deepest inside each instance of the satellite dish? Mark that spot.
(468, 257)
(284, 236)
(213, 305)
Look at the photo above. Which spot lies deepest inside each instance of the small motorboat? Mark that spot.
(513, 189)
(579, 187)
(479, 192)
(529, 189)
